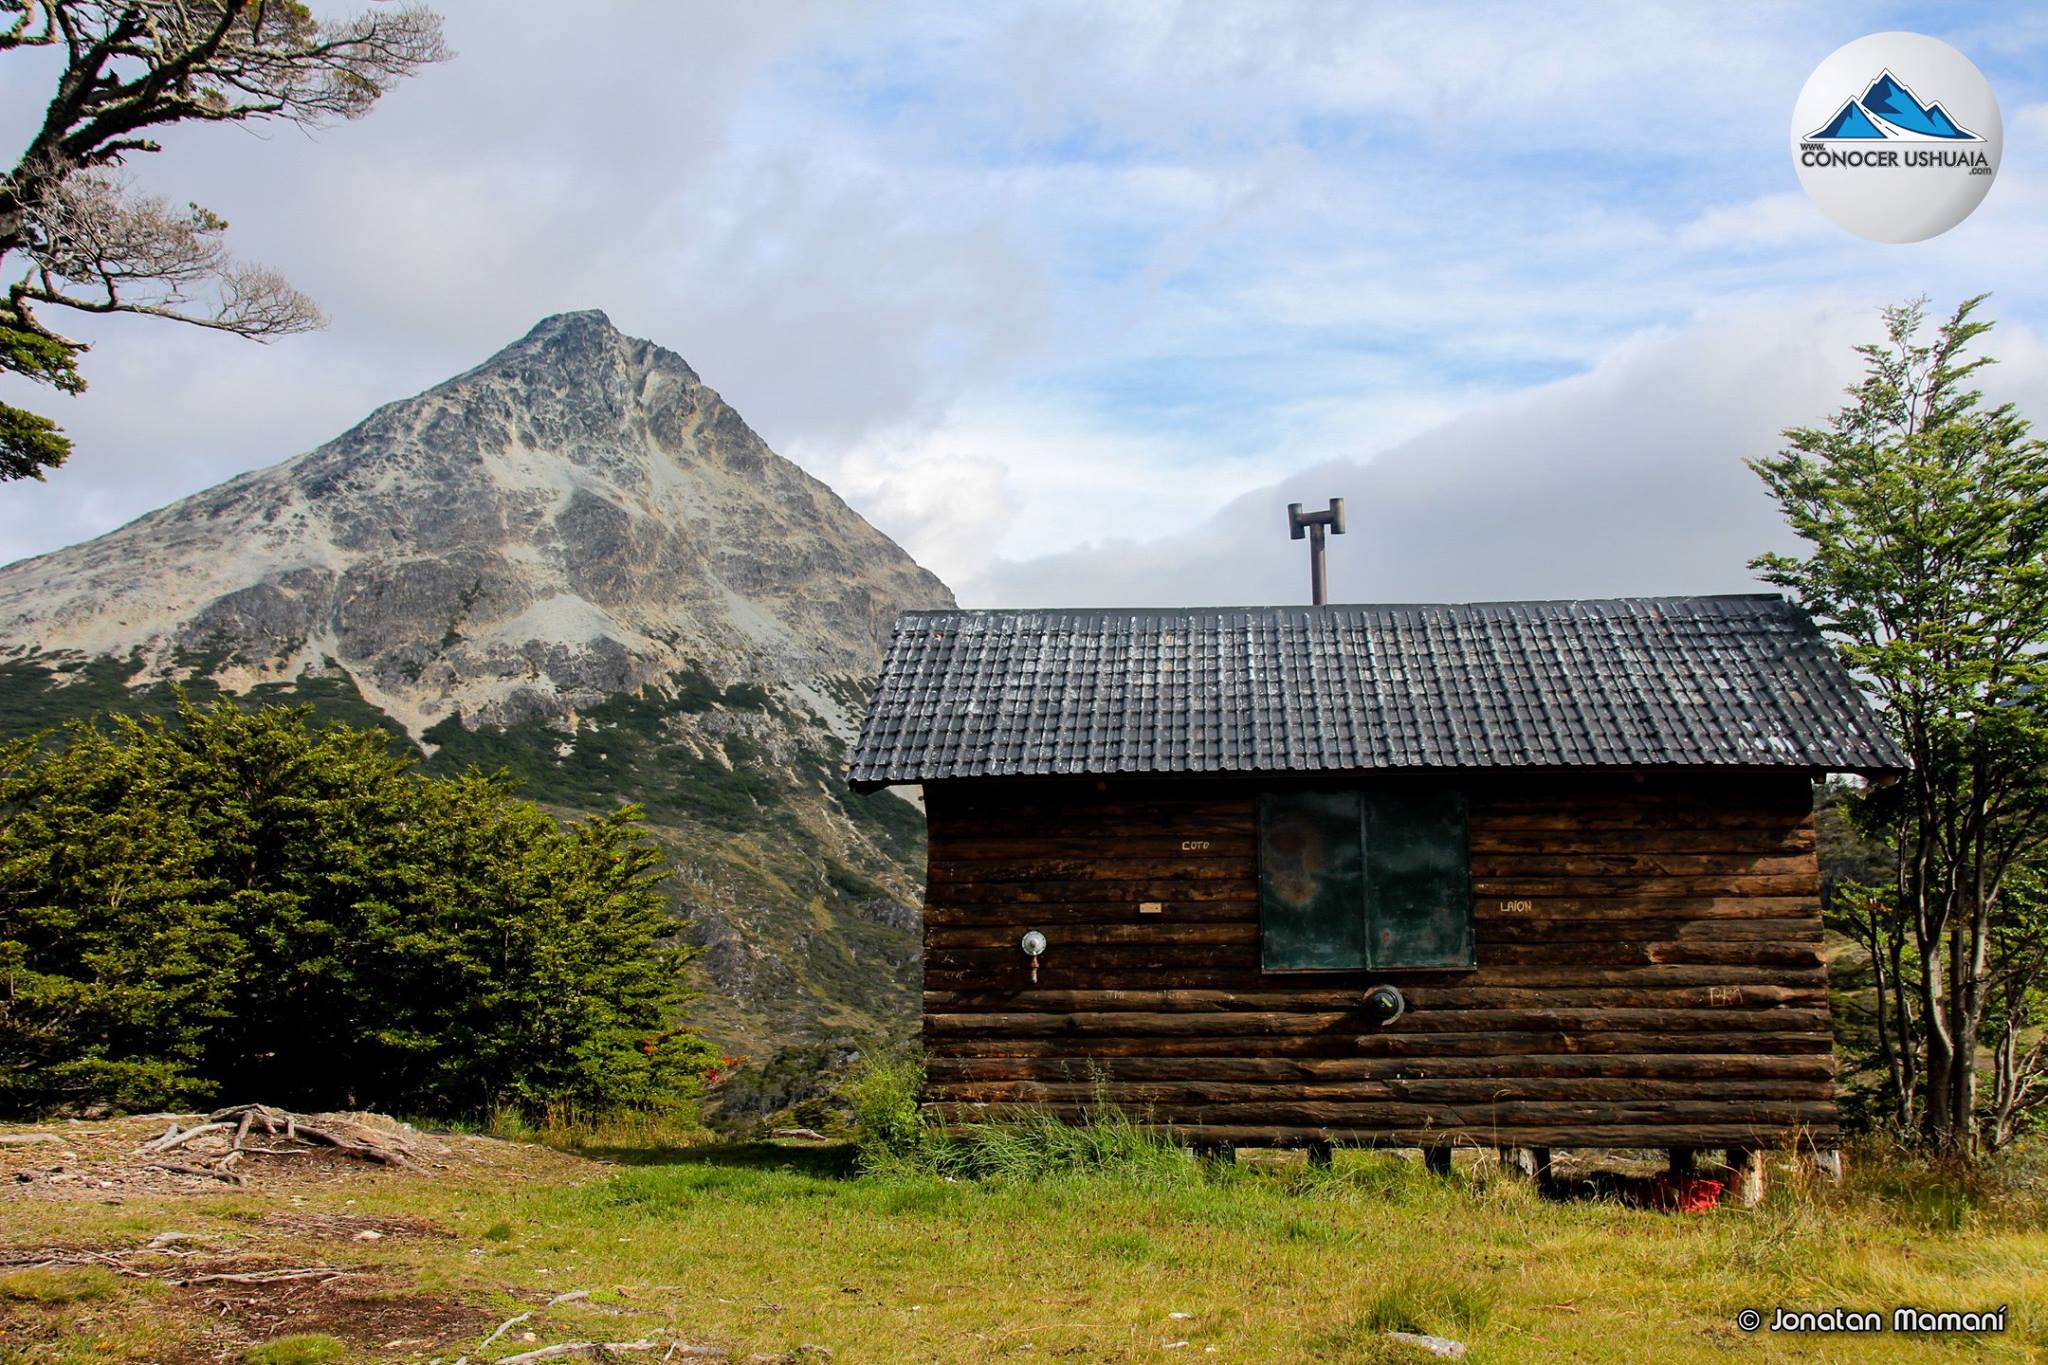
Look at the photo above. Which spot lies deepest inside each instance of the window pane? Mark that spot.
(1418, 880)
(1311, 881)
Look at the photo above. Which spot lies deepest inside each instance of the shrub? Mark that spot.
(896, 1137)
(890, 1127)
(1108, 1140)
(227, 903)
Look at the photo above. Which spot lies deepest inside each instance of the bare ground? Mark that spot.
(258, 1262)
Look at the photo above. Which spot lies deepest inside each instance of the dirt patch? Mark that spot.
(226, 1265)
(348, 1227)
(364, 1310)
(231, 1301)
(98, 1161)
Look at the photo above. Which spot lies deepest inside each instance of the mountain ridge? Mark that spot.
(498, 547)
(574, 563)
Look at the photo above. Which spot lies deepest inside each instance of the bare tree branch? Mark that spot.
(123, 253)
(73, 236)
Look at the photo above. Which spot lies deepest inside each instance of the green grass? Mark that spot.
(571, 1129)
(1107, 1247)
(301, 1348)
(1278, 1264)
(70, 1284)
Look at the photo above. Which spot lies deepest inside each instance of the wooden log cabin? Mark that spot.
(1525, 875)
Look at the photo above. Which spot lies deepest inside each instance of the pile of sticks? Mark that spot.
(258, 1129)
(53, 1258)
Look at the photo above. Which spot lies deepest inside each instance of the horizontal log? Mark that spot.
(1162, 931)
(1484, 1118)
(1490, 837)
(1067, 892)
(1007, 975)
(1486, 910)
(1743, 952)
(1515, 1043)
(1071, 958)
(1200, 802)
(1155, 930)
(1533, 929)
(1256, 1023)
(1802, 906)
(1694, 792)
(1112, 891)
(1177, 845)
(944, 871)
(1038, 914)
(1081, 833)
(1609, 817)
(1467, 1093)
(1654, 1066)
(1074, 962)
(1695, 830)
(1129, 1023)
(1161, 812)
(1762, 1136)
(1427, 996)
(1805, 883)
(1486, 866)
(1676, 852)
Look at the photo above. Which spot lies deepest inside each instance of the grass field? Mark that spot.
(771, 1250)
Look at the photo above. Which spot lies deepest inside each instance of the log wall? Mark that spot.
(1650, 970)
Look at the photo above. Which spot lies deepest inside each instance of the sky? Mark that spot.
(1073, 299)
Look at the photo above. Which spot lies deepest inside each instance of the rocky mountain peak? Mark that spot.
(578, 516)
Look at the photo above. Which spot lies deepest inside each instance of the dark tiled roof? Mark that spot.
(1637, 681)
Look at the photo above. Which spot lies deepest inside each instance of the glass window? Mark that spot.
(1378, 879)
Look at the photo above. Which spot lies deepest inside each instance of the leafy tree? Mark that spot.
(73, 235)
(1926, 513)
(113, 988)
(232, 905)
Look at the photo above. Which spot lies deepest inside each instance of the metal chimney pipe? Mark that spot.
(1312, 525)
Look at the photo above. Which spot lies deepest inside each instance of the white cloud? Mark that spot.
(1026, 279)
(1626, 480)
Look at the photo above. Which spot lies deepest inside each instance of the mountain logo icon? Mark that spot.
(1888, 111)
(1889, 161)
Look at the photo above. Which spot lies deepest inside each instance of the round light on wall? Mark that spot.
(1033, 943)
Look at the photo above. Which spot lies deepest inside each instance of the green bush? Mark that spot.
(897, 1138)
(890, 1128)
(1108, 1140)
(227, 904)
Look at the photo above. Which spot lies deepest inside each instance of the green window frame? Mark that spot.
(1373, 879)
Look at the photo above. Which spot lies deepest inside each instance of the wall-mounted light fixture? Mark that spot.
(1033, 944)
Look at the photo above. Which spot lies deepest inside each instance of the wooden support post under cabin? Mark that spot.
(1826, 1161)
(1437, 1159)
(1682, 1162)
(1746, 1177)
(1529, 1163)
